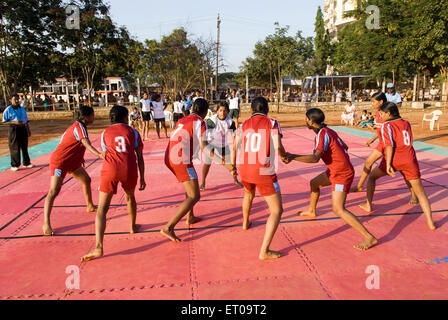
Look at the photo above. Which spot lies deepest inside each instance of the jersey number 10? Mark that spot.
(253, 142)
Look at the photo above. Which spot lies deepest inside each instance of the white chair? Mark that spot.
(432, 118)
(169, 117)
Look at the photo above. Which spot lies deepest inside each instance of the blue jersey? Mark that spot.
(395, 98)
(18, 114)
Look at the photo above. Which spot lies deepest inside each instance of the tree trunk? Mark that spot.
(279, 87)
(444, 73)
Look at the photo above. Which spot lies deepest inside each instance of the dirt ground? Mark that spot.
(44, 130)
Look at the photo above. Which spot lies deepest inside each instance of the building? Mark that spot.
(334, 19)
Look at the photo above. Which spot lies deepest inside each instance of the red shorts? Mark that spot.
(265, 189)
(183, 172)
(410, 170)
(61, 170)
(109, 184)
(341, 182)
(380, 147)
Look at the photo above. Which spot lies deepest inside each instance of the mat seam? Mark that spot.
(309, 264)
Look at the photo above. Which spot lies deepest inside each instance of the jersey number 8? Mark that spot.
(121, 147)
(407, 138)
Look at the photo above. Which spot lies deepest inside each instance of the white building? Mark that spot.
(334, 11)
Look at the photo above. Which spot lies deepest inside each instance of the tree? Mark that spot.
(280, 55)
(28, 41)
(176, 63)
(426, 38)
(322, 44)
(93, 48)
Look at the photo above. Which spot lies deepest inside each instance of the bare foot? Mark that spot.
(366, 244)
(413, 201)
(356, 189)
(135, 228)
(307, 213)
(247, 225)
(91, 208)
(96, 253)
(202, 187)
(269, 255)
(193, 220)
(170, 235)
(366, 206)
(238, 184)
(432, 225)
(47, 230)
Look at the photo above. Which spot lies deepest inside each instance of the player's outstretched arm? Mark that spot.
(141, 169)
(314, 158)
(368, 143)
(86, 143)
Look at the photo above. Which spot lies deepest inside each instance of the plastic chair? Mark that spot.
(169, 117)
(432, 118)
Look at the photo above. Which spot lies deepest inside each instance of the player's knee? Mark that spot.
(338, 210)
(53, 193)
(195, 197)
(314, 186)
(277, 213)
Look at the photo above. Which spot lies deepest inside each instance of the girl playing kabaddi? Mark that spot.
(124, 152)
(399, 155)
(69, 158)
(220, 130)
(260, 139)
(378, 99)
(333, 151)
(184, 143)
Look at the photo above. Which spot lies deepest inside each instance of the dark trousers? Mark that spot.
(18, 141)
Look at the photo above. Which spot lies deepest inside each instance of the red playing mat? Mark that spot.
(217, 259)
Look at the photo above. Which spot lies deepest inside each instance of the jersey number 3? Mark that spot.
(121, 144)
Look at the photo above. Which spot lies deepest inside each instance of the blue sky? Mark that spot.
(243, 23)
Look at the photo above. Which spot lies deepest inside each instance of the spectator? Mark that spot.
(369, 122)
(392, 95)
(18, 134)
(187, 106)
(349, 115)
(178, 109)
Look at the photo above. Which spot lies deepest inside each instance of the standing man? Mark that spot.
(392, 95)
(145, 104)
(19, 131)
(234, 106)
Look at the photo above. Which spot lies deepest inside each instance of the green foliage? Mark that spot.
(413, 36)
(322, 44)
(277, 56)
(176, 63)
(28, 39)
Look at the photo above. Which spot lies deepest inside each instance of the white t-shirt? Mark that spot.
(158, 110)
(146, 105)
(194, 98)
(221, 134)
(177, 107)
(233, 103)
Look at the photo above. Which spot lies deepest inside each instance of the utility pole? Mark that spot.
(217, 54)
